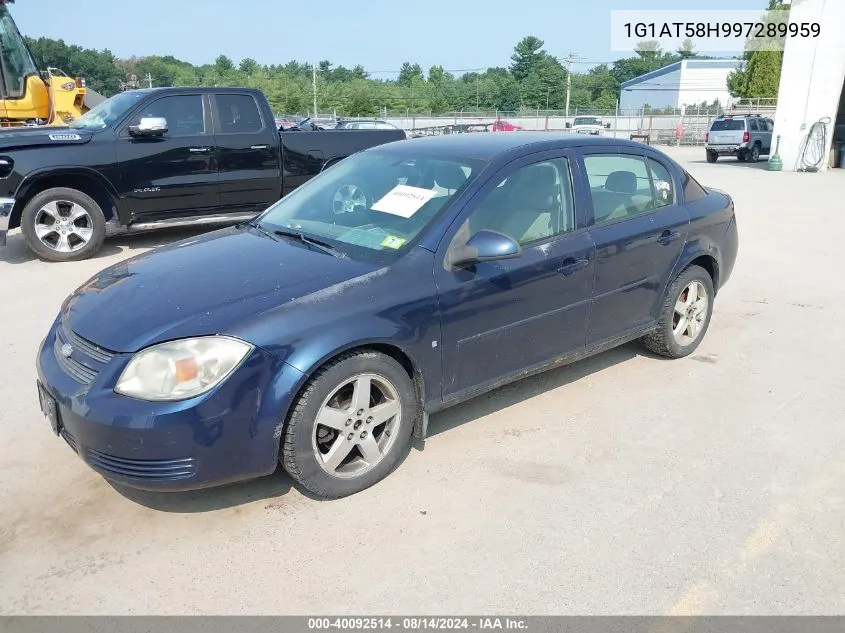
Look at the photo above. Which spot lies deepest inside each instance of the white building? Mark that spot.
(812, 88)
(687, 82)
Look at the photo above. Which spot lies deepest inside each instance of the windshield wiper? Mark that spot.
(318, 244)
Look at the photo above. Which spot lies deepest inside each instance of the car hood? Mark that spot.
(199, 286)
(34, 136)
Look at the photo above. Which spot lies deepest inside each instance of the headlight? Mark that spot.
(181, 369)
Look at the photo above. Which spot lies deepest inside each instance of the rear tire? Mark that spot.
(351, 425)
(63, 225)
(712, 157)
(685, 315)
(741, 156)
(755, 153)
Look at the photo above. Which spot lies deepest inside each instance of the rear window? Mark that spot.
(723, 125)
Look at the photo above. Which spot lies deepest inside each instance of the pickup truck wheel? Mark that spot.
(712, 157)
(755, 153)
(349, 196)
(742, 155)
(685, 315)
(63, 224)
(351, 425)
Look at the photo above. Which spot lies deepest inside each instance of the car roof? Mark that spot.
(488, 146)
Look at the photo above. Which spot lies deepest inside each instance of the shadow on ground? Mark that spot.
(280, 483)
(17, 252)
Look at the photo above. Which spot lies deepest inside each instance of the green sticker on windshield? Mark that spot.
(392, 242)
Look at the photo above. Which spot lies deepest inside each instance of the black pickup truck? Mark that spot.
(159, 157)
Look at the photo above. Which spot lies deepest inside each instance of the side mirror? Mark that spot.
(568, 125)
(486, 246)
(149, 126)
(607, 125)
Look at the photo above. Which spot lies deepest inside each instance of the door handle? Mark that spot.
(259, 147)
(668, 236)
(199, 150)
(571, 265)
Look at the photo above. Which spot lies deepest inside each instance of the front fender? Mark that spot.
(70, 173)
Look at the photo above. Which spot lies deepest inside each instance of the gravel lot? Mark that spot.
(623, 484)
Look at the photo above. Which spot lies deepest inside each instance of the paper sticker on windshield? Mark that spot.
(403, 200)
(391, 241)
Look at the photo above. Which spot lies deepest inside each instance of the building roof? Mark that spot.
(683, 65)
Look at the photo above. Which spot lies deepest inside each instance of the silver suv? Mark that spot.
(746, 136)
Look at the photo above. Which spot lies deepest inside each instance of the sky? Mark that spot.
(380, 35)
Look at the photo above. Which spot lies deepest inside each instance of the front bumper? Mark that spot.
(6, 207)
(229, 434)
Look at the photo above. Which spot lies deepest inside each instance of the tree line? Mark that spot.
(535, 79)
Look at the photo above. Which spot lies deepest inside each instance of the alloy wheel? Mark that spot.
(63, 226)
(347, 197)
(356, 425)
(690, 313)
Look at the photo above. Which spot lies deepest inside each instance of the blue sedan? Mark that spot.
(400, 281)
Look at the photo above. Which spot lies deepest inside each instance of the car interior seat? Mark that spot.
(619, 197)
(532, 203)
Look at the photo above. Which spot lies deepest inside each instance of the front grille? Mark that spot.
(82, 364)
(151, 469)
(77, 371)
(96, 352)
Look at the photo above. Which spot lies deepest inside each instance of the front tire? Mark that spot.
(351, 425)
(63, 225)
(685, 316)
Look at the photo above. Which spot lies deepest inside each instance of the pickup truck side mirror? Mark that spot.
(568, 125)
(149, 126)
(607, 125)
(485, 246)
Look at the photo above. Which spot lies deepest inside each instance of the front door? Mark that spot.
(502, 317)
(173, 175)
(248, 155)
(639, 231)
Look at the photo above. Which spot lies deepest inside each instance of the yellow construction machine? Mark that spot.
(29, 96)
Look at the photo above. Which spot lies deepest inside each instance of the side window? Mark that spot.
(664, 190)
(619, 186)
(533, 203)
(752, 124)
(184, 114)
(692, 190)
(770, 125)
(238, 114)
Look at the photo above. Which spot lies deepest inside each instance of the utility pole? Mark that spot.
(568, 61)
(314, 86)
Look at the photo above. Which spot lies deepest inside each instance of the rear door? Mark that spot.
(248, 154)
(639, 230)
(173, 175)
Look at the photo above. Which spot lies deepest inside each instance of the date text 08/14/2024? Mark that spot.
(422, 623)
(758, 30)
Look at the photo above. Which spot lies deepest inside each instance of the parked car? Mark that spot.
(746, 136)
(588, 125)
(500, 125)
(358, 124)
(157, 157)
(323, 338)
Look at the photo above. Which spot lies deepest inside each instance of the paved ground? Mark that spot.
(623, 484)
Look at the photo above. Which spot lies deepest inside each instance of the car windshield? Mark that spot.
(109, 111)
(375, 203)
(728, 125)
(587, 120)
